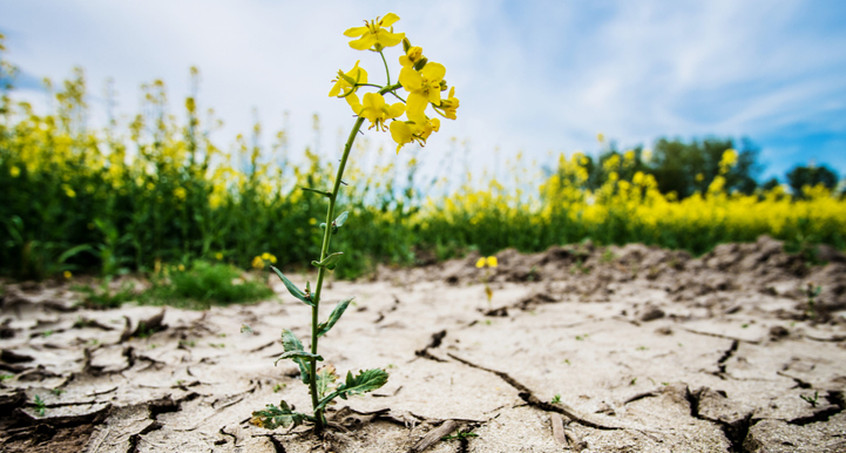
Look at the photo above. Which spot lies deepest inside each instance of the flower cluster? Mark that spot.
(422, 80)
(263, 260)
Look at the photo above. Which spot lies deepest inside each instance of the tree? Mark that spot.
(801, 176)
(687, 168)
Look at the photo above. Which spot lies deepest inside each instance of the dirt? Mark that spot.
(581, 348)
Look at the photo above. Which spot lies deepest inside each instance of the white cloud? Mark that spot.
(533, 76)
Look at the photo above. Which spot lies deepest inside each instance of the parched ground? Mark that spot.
(617, 349)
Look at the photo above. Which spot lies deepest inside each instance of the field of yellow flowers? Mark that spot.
(110, 201)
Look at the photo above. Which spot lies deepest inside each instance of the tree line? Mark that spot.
(685, 168)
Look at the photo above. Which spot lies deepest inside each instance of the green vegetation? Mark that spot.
(204, 284)
(158, 191)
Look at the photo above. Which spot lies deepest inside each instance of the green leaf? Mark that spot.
(324, 327)
(365, 381)
(329, 262)
(298, 355)
(273, 417)
(71, 252)
(292, 288)
(293, 344)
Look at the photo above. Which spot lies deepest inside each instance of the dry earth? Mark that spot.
(617, 349)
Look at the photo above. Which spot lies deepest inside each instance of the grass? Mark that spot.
(204, 284)
(199, 286)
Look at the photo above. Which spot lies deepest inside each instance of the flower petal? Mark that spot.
(388, 20)
(355, 31)
(410, 79)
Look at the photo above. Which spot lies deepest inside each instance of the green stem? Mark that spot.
(319, 419)
(321, 272)
(387, 71)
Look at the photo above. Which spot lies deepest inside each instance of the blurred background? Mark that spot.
(539, 77)
(182, 129)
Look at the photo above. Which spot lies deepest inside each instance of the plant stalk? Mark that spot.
(319, 419)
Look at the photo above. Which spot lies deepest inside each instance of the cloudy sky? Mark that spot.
(541, 77)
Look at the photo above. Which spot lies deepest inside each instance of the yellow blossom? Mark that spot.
(69, 192)
(374, 35)
(180, 193)
(449, 105)
(412, 56)
(424, 86)
(269, 257)
(375, 109)
(347, 83)
(489, 261)
(67, 275)
(404, 132)
(14, 171)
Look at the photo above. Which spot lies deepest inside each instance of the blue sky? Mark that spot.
(541, 77)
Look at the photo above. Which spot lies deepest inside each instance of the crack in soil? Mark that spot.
(721, 363)
(735, 432)
(437, 339)
(529, 397)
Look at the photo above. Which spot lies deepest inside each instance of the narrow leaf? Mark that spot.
(292, 288)
(329, 261)
(324, 327)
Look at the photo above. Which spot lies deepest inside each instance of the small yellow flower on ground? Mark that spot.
(489, 261)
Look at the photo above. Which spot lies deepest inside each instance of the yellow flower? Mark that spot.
(69, 191)
(14, 171)
(269, 257)
(346, 83)
(404, 132)
(218, 256)
(423, 87)
(258, 263)
(67, 275)
(449, 105)
(377, 111)
(489, 261)
(180, 193)
(412, 56)
(181, 268)
(374, 35)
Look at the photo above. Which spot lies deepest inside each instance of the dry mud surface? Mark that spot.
(646, 350)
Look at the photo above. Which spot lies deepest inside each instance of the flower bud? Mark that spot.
(420, 63)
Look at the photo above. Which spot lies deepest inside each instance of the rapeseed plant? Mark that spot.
(423, 82)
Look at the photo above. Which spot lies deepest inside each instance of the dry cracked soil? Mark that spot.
(581, 348)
